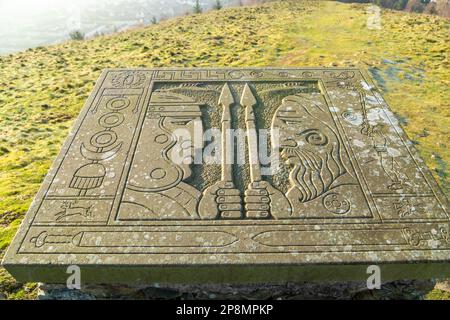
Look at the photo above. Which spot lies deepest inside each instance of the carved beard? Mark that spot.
(313, 173)
(309, 145)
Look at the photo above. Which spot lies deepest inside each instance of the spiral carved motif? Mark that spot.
(315, 137)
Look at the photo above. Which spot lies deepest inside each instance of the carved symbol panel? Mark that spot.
(233, 166)
(321, 181)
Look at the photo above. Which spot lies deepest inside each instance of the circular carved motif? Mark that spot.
(344, 75)
(256, 73)
(349, 115)
(158, 173)
(111, 120)
(236, 74)
(118, 103)
(161, 138)
(103, 139)
(336, 203)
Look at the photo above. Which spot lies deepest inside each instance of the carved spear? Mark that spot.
(248, 101)
(226, 101)
(262, 200)
(223, 200)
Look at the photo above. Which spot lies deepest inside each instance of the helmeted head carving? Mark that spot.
(155, 187)
(309, 145)
(173, 130)
(180, 118)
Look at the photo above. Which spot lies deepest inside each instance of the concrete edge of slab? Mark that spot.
(228, 273)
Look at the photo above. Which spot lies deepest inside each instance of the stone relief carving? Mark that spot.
(156, 187)
(311, 146)
(69, 208)
(347, 182)
(223, 199)
(261, 198)
(321, 182)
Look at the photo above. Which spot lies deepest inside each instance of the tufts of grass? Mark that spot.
(438, 295)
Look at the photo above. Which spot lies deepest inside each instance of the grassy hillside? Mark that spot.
(42, 90)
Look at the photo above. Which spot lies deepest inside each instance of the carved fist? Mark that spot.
(221, 200)
(263, 201)
(257, 200)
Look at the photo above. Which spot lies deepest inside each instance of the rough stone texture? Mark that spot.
(349, 189)
(415, 289)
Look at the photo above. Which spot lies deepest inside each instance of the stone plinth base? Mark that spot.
(406, 289)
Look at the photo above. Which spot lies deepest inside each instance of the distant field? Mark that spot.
(42, 90)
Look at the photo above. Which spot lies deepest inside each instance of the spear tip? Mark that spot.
(226, 98)
(248, 99)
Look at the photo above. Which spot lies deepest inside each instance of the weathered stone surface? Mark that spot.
(126, 205)
(399, 290)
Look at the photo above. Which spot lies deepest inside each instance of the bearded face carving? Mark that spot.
(310, 146)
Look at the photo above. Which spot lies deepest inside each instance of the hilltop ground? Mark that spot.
(42, 90)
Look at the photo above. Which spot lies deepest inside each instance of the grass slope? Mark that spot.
(42, 90)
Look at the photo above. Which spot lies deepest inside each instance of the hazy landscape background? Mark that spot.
(30, 23)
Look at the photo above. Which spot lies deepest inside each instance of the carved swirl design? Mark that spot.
(315, 137)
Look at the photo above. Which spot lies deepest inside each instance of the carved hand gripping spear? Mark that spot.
(223, 200)
(262, 200)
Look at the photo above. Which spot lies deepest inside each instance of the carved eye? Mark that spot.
(314, 137)
(288, 143)
(181, 122)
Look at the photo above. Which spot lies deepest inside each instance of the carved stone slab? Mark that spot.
(341, 187)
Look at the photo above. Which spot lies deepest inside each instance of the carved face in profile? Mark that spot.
(309, 145)
(173, 133)
(187, 133)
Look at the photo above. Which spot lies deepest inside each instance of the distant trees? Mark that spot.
(391, 4)
(420, 6)
(197, 7)
(399, 4)
(218, 5)
(417, 7)
(433, 10)
(77, 35)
